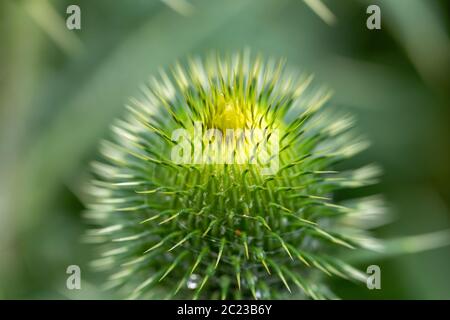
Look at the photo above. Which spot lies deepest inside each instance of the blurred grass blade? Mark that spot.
(183, 7)
(48, 19)
(404, 245)
(322, 11)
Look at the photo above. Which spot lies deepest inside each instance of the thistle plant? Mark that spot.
(208, 229)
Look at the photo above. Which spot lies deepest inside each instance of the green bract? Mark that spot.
(224, 230)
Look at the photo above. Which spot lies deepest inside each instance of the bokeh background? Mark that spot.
(60, 90)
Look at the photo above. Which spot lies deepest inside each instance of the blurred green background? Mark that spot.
(60, 90)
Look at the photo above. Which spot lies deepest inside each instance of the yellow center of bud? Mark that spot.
(228, 116)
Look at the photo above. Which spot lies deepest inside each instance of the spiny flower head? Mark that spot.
(196, 214)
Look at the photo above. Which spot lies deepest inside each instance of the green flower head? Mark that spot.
(220, 183)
